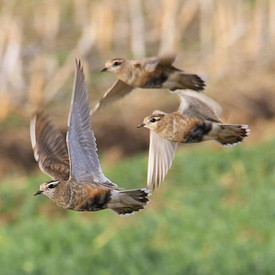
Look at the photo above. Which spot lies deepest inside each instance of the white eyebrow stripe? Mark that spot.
(53, 182)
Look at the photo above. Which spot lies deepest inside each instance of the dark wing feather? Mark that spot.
(49, 148)
(84, 160)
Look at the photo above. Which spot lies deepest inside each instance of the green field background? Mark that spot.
(214, 214)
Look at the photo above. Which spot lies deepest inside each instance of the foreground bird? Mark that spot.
(79, 183)
(155, 72)
(196, 120)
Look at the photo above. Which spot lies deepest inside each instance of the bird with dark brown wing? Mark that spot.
(78, 181)
(155, 72)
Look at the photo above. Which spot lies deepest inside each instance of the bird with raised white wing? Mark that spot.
(78, 181)
(196, 120)
(148, 73)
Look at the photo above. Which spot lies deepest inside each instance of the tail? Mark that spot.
(126, 202)
(190, 81)
(230, 134)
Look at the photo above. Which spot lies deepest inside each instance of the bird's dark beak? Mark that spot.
(38, 192)
(141, 125)
(104, 69)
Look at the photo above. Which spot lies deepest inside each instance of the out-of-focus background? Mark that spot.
(214, 213)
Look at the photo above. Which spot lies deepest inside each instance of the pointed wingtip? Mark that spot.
(32, 131)
(79, 66)
(95, 109)
(38, 115)
(77, 62)
(79, 73)
(152, 186)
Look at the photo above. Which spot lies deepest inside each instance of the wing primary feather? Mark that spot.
(198, 105)
(80, 137)
(117, 91)
(161, 155)
(49, 147)
(33, 136)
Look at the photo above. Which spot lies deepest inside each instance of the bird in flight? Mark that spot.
(155, 72)
(78, 181)
(195, 120)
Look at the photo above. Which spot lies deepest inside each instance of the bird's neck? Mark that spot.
(169, 128)
(127, 73)
(62, 194)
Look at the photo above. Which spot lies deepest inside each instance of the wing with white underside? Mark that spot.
(161, 155)
(198, 105)
(80, 138)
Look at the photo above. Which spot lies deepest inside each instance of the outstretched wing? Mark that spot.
(49, 147)
(82, 147)
(150, 64)
(117, 91)
(198, 105)
(161, 155)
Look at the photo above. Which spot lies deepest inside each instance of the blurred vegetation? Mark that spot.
(40, 40)
(213, 215)
(231, 43)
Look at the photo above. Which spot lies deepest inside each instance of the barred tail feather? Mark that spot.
(231, 134)
(192, 81)
(126, 202)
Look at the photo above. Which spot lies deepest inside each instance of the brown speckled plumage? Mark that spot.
(196, 120)
(153, 73)
(79, 183)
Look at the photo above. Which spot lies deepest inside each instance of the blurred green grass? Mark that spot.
(214, 214)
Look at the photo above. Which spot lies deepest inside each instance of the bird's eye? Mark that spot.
(116, 63)
(153, 120)
(51, 186)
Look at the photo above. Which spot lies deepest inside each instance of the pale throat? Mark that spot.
(128, 72)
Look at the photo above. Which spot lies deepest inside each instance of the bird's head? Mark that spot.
(154, 121)
(48, 189)
(114, 65)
